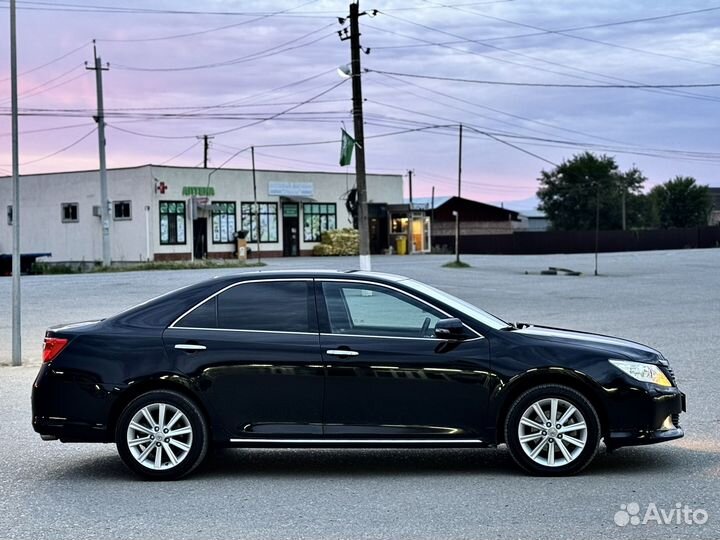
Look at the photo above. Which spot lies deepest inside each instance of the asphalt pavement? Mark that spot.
(669, 300)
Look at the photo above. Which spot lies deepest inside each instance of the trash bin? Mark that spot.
(242, 250)
(401, 245)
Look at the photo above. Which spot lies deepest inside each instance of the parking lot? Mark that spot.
(669, 300)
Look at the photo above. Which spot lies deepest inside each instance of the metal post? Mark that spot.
(457, 237)
(257, 208)
(410, 173)
(104, 201)
(597, 223)
(460, 163)
(360, 180)
(147, 232)
(16, 327)
(432, 215)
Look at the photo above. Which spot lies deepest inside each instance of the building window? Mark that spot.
(318, 218)
(121, 210)
(223, 222)
(69, 212)
(9, 214)
(268, 213)
(172, 222)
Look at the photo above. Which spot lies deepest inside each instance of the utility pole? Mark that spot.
(255, 203)
(460, 162)
(16, 328)
(206, 146)
(624, 214)
(361, 184)
(100, 119)
(410, 173)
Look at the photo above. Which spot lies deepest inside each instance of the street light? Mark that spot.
(457, 236)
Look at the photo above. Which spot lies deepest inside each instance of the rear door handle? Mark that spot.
(341, 352)
(190, 347)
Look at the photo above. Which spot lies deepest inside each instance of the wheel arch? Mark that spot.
(519, 384)
(174, 383)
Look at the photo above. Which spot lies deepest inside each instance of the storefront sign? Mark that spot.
(291, 189)
(200, 191)
(290, 210)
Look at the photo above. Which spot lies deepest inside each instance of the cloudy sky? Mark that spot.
(265, 73)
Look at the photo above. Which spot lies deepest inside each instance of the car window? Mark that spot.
(280, 306)
(374, 310)
(203, 316)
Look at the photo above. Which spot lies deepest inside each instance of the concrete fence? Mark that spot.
(536, 243)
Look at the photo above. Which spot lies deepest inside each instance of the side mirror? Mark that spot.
(450, 329)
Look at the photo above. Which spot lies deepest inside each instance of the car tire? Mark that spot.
(162, 435)
(563, 441)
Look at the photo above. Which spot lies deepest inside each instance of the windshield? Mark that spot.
(468, 309)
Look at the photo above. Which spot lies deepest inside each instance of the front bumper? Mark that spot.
(662, 410)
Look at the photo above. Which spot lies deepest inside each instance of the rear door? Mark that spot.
(252, 352)
(388, 376)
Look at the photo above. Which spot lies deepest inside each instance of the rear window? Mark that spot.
(203, 316)
(279, 306)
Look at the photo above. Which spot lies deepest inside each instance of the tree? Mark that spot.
(568, 193)
(681, 202)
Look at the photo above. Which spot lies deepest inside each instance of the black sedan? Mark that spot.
(318, 359)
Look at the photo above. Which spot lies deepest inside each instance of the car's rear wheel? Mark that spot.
(162, 435)
(552, 430)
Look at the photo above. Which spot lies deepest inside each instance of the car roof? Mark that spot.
(305, 273)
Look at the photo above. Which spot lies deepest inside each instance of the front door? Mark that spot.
(253, 353)
(388, 377)
(291, 229)
(200, 238)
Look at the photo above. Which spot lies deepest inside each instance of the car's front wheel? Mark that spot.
(552, 430)
(162, 435)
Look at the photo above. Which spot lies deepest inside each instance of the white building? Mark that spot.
(176, 213)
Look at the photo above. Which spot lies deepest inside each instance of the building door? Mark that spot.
(291, 229)
(378, 221)
(200, 238)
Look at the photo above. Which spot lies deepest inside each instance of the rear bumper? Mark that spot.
(54, 428)
(70, 406)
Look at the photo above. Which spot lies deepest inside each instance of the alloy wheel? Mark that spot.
(159, 436)
(552, 432)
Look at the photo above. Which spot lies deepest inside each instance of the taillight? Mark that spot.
(52, 347)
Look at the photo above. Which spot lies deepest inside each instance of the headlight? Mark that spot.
(642, 372)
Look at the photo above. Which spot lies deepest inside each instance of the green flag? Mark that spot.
(346, 149)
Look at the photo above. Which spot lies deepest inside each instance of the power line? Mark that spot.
(50, 62)
(63, 149)
(556, 31)
(495, 110)
(272, 51)
(181, 153)
(84, 8)
(216, 29)
(30, 91)
(571, 36)
(536, 59)
(543, 85)
(42, 130)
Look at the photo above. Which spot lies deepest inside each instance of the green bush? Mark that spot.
(338, 242)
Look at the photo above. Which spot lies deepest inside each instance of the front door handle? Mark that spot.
(190, 347)
(341, 352)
